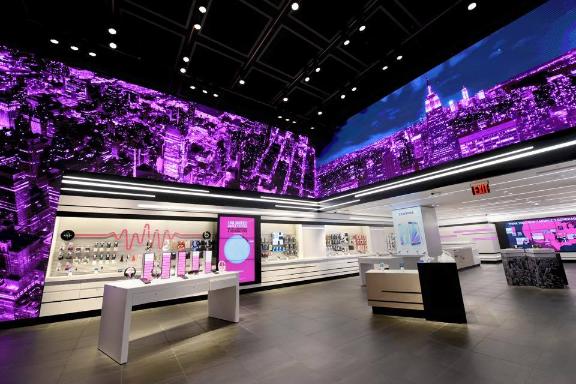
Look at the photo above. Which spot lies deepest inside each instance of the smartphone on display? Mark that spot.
(181, 264)
(207, 261)
(166, 256)
(414, 230)
(147, 266)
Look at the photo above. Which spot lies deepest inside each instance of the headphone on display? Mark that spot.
(130, 272)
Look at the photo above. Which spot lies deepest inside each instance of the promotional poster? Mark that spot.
(408, 230)
(237, 246)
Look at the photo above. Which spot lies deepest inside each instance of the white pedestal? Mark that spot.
(121, 296)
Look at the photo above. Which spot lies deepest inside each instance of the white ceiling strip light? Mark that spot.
(337, 205)
(434, 173)
(107, 192)
(134, 184)
(471, 167)
(222, 210)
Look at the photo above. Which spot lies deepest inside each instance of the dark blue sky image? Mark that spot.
(541, 35)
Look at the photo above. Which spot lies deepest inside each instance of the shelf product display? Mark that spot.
(279, 246)
(81, 252)
(342, 243)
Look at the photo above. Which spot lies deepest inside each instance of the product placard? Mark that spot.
(195, 261)
(166, 265)
(147, 266)
(207, 261)
(181, 264)
(237, 236)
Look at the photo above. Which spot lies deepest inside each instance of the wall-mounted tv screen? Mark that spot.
(558, 233)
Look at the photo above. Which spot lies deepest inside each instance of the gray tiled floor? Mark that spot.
(318, 333)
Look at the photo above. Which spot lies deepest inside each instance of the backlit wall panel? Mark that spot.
(55, 118)
(515, 85)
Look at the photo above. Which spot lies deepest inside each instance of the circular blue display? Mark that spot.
(236, 249)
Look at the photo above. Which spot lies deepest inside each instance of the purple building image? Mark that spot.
(533, 104)
(55, 118)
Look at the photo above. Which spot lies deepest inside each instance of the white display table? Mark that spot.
(366, 263)
(121, 296)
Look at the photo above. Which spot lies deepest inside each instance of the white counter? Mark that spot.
(121, 296)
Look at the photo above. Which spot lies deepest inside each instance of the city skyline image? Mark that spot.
(56, 118)
(515, 85)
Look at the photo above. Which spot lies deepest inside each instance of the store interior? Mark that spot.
(309, 191)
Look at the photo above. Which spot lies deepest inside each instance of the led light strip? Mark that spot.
(471, 167)
(434, 173)
(298, 202)
(136, 184)
(384, 218)
(337, 205)
(107, 192)
(295, 207)
(231, 211)
(173, 190)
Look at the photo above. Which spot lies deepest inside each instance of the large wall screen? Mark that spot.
(558, 233)
(54, 118)
(515, 85)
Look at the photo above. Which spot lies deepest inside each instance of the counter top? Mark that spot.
(312, 260)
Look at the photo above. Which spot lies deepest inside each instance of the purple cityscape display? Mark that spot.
(55, 118)
(533, 104)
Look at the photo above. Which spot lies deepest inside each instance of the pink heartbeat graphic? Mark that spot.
(155, 238)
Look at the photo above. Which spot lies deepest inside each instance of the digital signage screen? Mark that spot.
(515, 85)
(558, 233)
(237, 246)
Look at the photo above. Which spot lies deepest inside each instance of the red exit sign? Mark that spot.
(480, 188)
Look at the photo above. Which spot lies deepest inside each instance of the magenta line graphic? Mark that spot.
(156, 237)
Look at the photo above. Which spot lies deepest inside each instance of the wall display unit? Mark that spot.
(107, 247)
(280, 242)
(239, 246)
(558, 233)
(347, 240)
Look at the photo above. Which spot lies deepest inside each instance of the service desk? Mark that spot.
(121, 296)
(432, 291)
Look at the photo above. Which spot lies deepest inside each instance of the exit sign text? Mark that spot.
(480, 188)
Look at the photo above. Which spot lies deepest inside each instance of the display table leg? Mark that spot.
(224, 303)
(115, 324)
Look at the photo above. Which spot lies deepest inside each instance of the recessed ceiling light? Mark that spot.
(287, 119)
(279, 116)
(202, 9)
(342, 96)
(192, 87)
(362, 27)
(182, 70)
(197, 26)
(293, 121)
(113, 45)
(399, 57)
(319, 113)
(204, 91)
(317, 69)
(242, 82)
(112, 31)
(285, 99)
(384, 67)
(215, 95)
(354, 89)
(295, 6)
(186, 59)
(472, 6)
(54, 41)
(346, 42)
(93, 54)
(307, 79)
(73, 47)
(312, 128)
